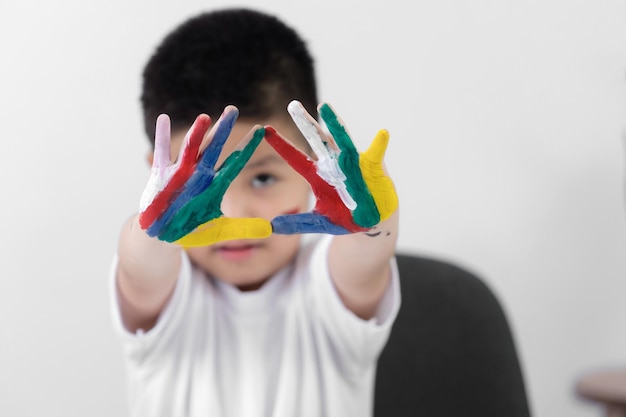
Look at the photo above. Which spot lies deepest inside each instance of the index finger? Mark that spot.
(366, 213)
(217, 137)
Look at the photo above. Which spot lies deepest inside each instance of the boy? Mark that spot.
(249, 321)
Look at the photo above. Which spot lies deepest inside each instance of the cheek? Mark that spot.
(284, 204)
(287, 244)
(298, 199)
(198, 255)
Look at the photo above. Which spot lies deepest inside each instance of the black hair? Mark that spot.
(231, 56)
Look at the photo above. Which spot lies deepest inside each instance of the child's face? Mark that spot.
(266, 187)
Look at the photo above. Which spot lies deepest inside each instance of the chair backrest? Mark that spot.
(451, 350)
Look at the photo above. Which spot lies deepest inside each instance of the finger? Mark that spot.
(309, 128)
(376, 151)
(306, 223)
(336, 128)
(162, 139)
(297, 159)
(184, 170)
(327, 165)
(203, 174)
(193, 139)
(217, 137)
(366, 213)
(378, 182)
(234, 163)
(328, 202)
(224, 228)
(160, 172)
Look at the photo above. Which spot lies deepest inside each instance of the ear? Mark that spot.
(150, 158)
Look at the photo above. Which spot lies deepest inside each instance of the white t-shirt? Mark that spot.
(289, 349)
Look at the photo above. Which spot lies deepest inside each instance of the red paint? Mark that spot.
(188, 163)
(328, 202)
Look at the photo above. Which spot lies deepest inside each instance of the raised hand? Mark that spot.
(181, 202)
(353, 191)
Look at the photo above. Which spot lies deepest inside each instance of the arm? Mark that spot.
(359, 264)
(179, 208)
(146, 275)
(356, 200)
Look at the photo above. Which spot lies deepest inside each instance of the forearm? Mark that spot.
(146, 275)
(360, 268)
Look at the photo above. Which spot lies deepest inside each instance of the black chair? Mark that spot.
(451, 351)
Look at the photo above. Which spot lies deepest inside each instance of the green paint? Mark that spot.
(365, 214)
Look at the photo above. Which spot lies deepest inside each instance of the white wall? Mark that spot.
(506, 119)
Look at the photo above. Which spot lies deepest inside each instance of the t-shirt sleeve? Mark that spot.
(363, 339)
(142, 345)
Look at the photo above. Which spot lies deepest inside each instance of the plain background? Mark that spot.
(507, 125)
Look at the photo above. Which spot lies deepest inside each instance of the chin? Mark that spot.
(251, 286)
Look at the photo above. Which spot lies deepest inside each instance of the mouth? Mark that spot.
(237, 251)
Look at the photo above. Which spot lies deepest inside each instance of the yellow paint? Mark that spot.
(226, 228)
(378, 182)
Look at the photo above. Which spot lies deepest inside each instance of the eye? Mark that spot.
(263, 180)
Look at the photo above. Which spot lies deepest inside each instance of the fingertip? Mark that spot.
(163, 125)
(199, 129)
(327, 112)
(253, 138)
(378, 147)
(229, 115)
(161, 155)
(271, 134)
(203, 119)
(294, 105)
(259, 131)
(382, 138)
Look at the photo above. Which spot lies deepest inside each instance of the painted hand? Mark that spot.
(181, 202)
(353, 191)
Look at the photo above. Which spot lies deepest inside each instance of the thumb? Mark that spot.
(226, 228)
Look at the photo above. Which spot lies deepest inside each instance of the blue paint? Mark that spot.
(305, 223)
(222, 131)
